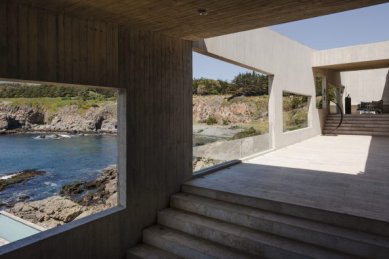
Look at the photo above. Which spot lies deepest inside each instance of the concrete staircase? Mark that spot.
(205, 223)
(372, 125)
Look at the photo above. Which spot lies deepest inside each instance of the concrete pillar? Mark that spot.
(271, 112)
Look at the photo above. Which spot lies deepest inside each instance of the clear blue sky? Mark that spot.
(360, 26)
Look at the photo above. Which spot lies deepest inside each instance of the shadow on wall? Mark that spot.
(385, 93)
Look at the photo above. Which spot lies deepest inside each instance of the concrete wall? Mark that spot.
(366, 85)
(233, 149)
(155, 120)
(371, 55)
(291, 64)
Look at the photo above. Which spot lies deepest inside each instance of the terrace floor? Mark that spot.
(346, 174)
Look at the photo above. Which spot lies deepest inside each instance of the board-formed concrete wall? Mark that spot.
(155, 118)
(289, 61)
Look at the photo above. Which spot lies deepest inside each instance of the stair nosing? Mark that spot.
(284, 244)
(312, 224)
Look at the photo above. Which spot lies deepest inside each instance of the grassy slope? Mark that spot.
(53, 104)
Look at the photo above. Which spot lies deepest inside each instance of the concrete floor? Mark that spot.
(346, 174)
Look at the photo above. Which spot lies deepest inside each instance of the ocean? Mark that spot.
(65, 160)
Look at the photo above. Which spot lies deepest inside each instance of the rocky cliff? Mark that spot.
(99, 117)
(224, 110)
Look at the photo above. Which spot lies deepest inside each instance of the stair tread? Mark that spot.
(331, 217)
(246, 239)
(349, 132)
(259, 214)
(357, 129)
(188, 246)
(149, 252)
(343, 126)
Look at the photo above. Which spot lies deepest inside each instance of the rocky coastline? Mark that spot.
(69, 119)
(74, 201)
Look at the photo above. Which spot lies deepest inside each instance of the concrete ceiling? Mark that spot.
(180, 18)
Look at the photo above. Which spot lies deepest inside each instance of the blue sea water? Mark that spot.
(65, 160)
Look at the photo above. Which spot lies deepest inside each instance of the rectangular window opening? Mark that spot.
(295, 111)
(58, 155)
(230, 112)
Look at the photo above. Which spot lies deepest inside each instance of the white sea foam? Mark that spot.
(50, 184)
(64, 136)
(52, 136)
(5, 177)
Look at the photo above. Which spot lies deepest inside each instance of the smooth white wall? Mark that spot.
(366, 85)
(289, 61)
(373, 52)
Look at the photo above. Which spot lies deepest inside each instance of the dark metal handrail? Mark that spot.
(341, 115)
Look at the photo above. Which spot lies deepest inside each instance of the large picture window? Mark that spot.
(58, 155)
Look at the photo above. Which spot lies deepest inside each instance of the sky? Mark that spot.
(360, 26)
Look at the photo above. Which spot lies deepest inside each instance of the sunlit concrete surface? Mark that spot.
(335, 154)
(346, 174)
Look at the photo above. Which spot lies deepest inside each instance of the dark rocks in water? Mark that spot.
(92, 192)
(22, 198)
(58, 210)
(72, 189)
(20, 177)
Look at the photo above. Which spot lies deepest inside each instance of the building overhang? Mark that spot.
(359, 57)
(193, 20)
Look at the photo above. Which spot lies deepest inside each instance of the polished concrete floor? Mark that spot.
(346, 174)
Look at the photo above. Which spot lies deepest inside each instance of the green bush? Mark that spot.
(27, 90)
(248, 84)
(246, 133)
(211, 120)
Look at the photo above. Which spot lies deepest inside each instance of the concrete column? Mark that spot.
(271, 112)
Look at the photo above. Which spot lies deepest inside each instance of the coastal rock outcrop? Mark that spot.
(48, 213)
(101, 117)
(222, 110)
(92, 192)
(19, 177)
(76, 201)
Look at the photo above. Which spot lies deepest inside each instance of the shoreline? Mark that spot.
(68, 132)
(75, 200)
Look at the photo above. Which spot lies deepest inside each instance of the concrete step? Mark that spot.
(385, 115)
(149, 252)
(352, 132)
(359, 122)
(357, 119)
(187, 246)
(245, 239)
(362, 125)
(368, 116)
(324, 235)
(315, 214)
(357, 128)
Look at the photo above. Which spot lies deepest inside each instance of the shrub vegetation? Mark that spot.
(247, 84)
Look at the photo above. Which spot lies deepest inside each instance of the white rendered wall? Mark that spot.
(275, 54)
(366, 85)
(374, 52)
